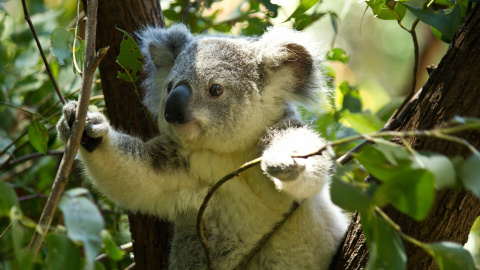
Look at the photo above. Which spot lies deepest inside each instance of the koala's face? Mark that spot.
(220, 93)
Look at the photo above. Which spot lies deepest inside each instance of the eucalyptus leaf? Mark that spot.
(302, 8)
(61, 41)
(38, 136)
(338, 54)
(411, 192)
(8, 199)
(348, 196)
(111, 249)
(440, 166)
(450, 255)
(469, 174)
(130, 59)
(445, 21)
(61, 253)
(387, 9)
(386, 250)
(363, 123)
(84, 223)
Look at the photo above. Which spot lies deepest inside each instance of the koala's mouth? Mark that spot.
(188, 131)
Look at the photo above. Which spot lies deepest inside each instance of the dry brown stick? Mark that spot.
(47, 66)
(91, 63)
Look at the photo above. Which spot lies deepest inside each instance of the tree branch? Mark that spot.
(91, 63)
(19, 160)
(45, 62)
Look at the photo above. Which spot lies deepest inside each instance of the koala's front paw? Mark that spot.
(281, 166)
(96, 126)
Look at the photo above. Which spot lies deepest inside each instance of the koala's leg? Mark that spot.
(301, 178)
(150, 177)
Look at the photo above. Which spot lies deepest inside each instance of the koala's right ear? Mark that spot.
(160, 46)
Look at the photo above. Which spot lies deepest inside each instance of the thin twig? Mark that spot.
(415, 66)
(22, 109)
(199, 226)
(91, 63)
(6, 229)
(22, 159)
(47, 66)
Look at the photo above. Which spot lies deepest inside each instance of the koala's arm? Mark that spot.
(151, 177)
(301, 178)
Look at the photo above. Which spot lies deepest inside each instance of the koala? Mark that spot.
(220, 101)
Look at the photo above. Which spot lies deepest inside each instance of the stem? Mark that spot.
(19, 160)
(91, 63)
(22, 109)
(415, 66)
(200, 225)
(397, 228)
(47, 66)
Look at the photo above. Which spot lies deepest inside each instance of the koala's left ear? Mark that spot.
(292, 61)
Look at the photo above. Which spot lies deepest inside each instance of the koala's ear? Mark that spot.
(291, 60)
(160, 47)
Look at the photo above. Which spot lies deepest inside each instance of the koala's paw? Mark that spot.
(281, 166)
(96, 126)
(66, 121)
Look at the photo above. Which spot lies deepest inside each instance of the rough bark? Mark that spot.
(150, 236)
(452, 89)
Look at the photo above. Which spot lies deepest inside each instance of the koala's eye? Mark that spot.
(169, 87)
(216, 90)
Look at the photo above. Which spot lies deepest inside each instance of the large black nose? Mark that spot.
(176, 105)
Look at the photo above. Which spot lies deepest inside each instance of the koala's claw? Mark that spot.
(281, 166)
(96, 126)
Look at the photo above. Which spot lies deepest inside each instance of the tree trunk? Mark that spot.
(151, 237)
(452, 89)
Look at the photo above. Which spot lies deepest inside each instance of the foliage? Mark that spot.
(88, 225)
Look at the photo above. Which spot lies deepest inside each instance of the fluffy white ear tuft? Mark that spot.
(160, 48)
(296, 59)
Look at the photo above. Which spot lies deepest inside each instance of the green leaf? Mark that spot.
(305, 20)
(38, 136)
(302, 8)
(351, 97)
(8, 199)
(61, 41)
(386, 250)
(363, 123)
(450, 255)
(348, 196)
(61, 253)
(113, 252)
(387, 9)
(440, 166)
(383, 161)
(130, 59)
(446, 21)
(470, 174)
(337, 54)
(84, 223)
(411, 192)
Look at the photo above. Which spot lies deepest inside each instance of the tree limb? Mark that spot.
(91, 63)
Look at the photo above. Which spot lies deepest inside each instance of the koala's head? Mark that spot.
(221, 93)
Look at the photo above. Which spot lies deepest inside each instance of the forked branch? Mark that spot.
(92, 61)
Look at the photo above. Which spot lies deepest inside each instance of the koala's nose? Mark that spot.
(176, 105)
